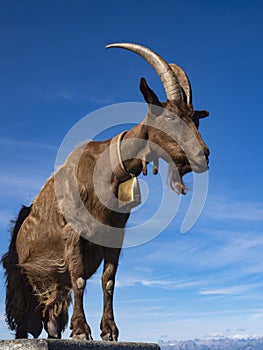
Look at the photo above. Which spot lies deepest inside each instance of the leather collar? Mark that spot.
(117, 165)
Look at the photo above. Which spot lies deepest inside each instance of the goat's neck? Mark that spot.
(135, 149)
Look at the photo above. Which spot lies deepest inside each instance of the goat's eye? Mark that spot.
(170, 117)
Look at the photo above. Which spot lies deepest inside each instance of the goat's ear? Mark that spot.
(201, 114)
(155, 106)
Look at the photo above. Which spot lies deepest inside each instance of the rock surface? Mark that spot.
(60, 344)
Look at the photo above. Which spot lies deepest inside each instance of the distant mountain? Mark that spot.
(214, 344)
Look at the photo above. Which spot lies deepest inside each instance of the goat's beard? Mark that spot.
(174, 179)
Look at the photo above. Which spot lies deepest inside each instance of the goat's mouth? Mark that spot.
(177, 171)
(201, 167)
(199, 163)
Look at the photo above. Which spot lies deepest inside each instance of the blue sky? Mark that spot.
(54, 70)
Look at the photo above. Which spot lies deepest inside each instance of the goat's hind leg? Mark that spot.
(21, 331)
(31, 322)
(34, 322)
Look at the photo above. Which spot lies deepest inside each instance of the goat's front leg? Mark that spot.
(79, 325)
(109, 330)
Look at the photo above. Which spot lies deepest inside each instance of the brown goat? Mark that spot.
(76, 221)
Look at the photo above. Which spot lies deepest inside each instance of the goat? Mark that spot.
(78, 218)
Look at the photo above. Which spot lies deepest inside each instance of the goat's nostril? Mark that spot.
(207, 153)
(204, 152)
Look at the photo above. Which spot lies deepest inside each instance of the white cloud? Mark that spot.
(188, 325)
(26, 144)
(211, 250)
(164, 283)
(227, 208)
(144, 300)
(233, 290)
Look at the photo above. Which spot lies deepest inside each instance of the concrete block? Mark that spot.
(61, 344)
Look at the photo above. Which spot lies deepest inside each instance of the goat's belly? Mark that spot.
(92, 257)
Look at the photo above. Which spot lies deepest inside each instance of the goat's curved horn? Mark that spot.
(183, 81)
(165, 72)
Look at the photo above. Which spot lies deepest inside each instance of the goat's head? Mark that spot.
(172, 126)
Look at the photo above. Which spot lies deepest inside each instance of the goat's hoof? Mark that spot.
(82, 336)
(106, 337)
(109, 337)
(109, 330)
(114, 337)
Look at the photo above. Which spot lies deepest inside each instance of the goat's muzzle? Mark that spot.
(199, 163)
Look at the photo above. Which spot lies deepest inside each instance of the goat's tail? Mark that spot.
(17, 286)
